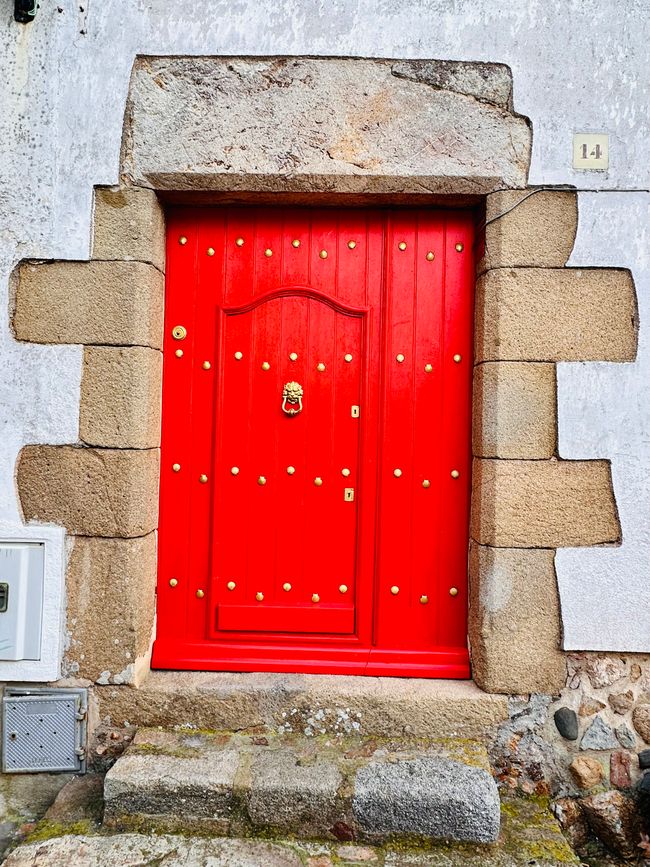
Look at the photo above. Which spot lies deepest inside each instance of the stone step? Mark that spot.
(328, 788)
(304, 703)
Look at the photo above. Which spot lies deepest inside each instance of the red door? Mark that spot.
(316, 441)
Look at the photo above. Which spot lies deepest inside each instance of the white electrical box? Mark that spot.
(22, 573)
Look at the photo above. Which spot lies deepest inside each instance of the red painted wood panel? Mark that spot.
(263, 561)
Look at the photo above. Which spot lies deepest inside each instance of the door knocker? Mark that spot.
(292, 395)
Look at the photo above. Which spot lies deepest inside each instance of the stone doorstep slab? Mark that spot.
(314, 788)
(304, 703)
(529, 835)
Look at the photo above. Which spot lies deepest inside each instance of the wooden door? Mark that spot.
(316, 429)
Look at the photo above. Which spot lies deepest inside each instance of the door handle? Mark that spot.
(292, 394)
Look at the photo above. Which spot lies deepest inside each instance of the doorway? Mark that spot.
(316, 460)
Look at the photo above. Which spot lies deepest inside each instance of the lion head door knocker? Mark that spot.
(292, 398)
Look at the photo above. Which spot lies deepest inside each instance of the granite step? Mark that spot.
(529, 835)
(327, 788)
(304, 703)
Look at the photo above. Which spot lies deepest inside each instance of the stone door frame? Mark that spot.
(531, 312)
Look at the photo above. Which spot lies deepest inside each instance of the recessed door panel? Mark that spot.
(316, 441)
(286, 464)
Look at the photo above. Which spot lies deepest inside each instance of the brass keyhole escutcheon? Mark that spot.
(179, 332)
(292, 394)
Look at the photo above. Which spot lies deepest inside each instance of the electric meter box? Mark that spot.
(22, 573)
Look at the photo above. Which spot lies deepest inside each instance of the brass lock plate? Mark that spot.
(348, 495)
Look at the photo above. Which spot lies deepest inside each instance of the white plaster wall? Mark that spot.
(577, 64)
(604, 411)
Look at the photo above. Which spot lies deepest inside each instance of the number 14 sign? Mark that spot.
(591, 151)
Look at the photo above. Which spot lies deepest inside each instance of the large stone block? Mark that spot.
(543, 504)
(352, 125)
(91, 492)
(514, 621)
(129, 224)
(371, 706)
(529, 228)
(291, 794)
(116, 577)
(113, 303)
(121, 397)
(181, 791)
(515, 412)
(429, 796)
(127, 850)
(570, 314)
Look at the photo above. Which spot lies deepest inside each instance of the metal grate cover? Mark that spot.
(43, 730)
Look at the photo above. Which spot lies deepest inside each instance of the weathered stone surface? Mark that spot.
(619, 769)
(188, 781)
(180, 791)
(285, 793)
(641, 721)
(625, 737)
(129, 224)
(566, 722)
(386, 707)
(431, 796)
(529, 834)
(514, 410)
(513, 594)
(570, 314)
(81, 799)
(489, 82)
(550, 504)
(587, 771)
(91, 492)
(599, 736)
(621, 702)
(117, 578)
(121, 397)
(604, 670)
(26, 797)
(613, 818)
(590, 706)
(538, 229)
(357, 854)
(644, 760)
(381, 132)
(569, 814)
(129, 850)
(113, 303)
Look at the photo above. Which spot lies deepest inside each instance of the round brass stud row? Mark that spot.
(234, 471)
(293, 356)
(239, 242)
(231, 585)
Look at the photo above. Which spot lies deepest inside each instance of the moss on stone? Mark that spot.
(46, 830)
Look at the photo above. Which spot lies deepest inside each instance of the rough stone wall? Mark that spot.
(532, 312)
(588, 748)
(104, 490)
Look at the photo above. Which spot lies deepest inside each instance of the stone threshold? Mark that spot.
(306, 704)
